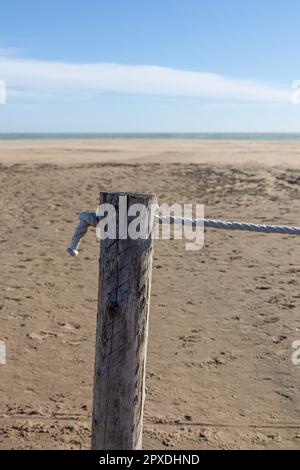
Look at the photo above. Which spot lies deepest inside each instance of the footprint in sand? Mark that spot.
(69, 326)
(42, 335)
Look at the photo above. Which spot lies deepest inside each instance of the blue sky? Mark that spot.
(141, 66)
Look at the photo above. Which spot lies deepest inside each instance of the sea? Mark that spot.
(158, 135)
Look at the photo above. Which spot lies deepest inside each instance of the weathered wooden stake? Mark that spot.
(122, 333)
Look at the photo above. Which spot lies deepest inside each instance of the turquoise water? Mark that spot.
(201, 136)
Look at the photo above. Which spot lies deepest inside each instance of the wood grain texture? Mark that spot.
(122, 331)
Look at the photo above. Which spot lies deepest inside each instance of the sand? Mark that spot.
(223, 320)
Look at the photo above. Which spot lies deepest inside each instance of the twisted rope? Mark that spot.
(222, 224)
(90, 219)
(86, 220)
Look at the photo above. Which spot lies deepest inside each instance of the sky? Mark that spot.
(150, 66)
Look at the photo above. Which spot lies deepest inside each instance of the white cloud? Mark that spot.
(10, 51)
(45, 77)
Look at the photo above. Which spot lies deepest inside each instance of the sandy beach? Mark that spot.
(223, 319)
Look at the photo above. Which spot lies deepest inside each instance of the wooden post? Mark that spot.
(122, 332)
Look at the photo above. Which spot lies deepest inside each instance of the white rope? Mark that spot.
(90, 219)
(222, 224)
(86, 220)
